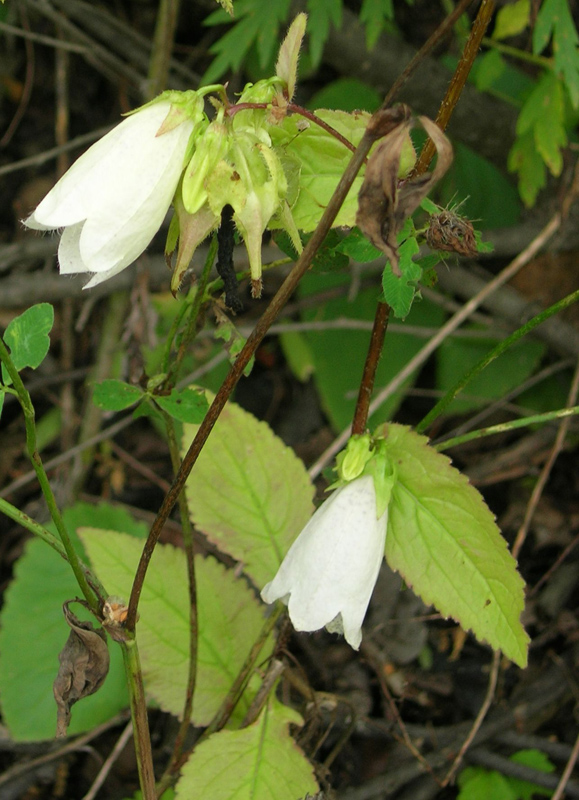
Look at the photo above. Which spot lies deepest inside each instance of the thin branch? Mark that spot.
(494, 674)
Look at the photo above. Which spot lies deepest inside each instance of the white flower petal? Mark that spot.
(107, 161)
(69, 260)
(332, 567)
(114, 199)
(123, 226)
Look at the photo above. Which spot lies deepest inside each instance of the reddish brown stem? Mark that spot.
(367, 384)
(458, 81)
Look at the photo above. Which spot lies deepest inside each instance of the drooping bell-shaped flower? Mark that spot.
(114, 198)
(329, 572)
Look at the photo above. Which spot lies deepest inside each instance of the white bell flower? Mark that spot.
(329, 572)
(114, 198)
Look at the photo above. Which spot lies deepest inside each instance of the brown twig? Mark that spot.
(479, 718)
(567, 772)
(548, 466)
(443, 29)
(458, 81)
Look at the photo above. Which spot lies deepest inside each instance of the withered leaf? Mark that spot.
(84, 664)
(384, 202)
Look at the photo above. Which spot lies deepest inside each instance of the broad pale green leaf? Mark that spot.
(347, 94)
(230, 619)
(115, 395)
(33, 631)
(186, 405)
(443, 540)
(323, 160)
(259, 762)
(27, 337)
(248, 492)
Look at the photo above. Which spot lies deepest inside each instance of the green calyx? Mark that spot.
(367, 455)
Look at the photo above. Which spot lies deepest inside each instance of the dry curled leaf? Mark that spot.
(84, 664)
(384, 202)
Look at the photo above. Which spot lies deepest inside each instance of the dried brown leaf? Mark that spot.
(384, 202)
(84, 664)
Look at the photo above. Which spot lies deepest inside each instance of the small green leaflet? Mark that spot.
(322, 13)
(544, 114)
(185, 405)
(555, 18)
(512, 19)
(257, 22)
(399, 292)
(374, 15)
(115, 395)
(263, 762)
(526, 161)
(443, 540)
(230, 619)
(478, 783)
(27, 337)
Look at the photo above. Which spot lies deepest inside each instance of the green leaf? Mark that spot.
(258, 22)
(27, 337)
(512, 19)
(490, 67)
(230, 619)
(443, 540)
(263, 762)
(320, 14)
(535, 759)
(115, 395)
(511, 369)
(323, 159)
(33, 631)
(248, 492)
(544, 114)
(490, 198)
(346, 94)
(399, 292)
(374, 15)
(477, 783)
(525, 159)
(298, 354)
(555, 18)
(186, 405)
(358, 247)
